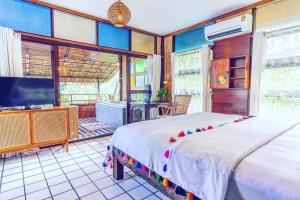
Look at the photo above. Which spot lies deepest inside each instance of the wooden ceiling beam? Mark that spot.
(221, 17)
(68, 43)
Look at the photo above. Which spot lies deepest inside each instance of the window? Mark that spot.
(280, 80)
(36, 59)
(188, 77)
(139, 83)
(139, 74)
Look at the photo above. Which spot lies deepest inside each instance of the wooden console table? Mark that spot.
(27, 129)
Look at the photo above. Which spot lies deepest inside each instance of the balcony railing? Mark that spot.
(67, 99)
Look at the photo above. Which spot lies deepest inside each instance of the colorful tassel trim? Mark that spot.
(144, 169)
(181, 134)
(189, 196)
(165, 168)
(167, 154)
(131, 161)
(165, 182)
(138, 165)
(180, 191)
(172, 140)
(158, 179)
(149, 174)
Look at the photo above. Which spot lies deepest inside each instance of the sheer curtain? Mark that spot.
(206, 78)
(258, 66)
(154, 73)
(10, 53)
(280, 80)
(187, 76)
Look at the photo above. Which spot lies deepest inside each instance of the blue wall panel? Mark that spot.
(190, 40)
(26, 17)
(111, 36)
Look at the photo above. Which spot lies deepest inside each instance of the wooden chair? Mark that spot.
(179, 106)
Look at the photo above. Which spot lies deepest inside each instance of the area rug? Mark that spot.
(93, 126)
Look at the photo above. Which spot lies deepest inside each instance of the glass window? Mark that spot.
(188, 77)
(36, 58)
(142, 43)
(139, 74)
(280, 79)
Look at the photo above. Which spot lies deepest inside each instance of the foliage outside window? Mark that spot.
(281, 78)
(188, 77)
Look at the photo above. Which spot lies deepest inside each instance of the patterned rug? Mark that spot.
(89, 128)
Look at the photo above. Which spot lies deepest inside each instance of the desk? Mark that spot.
(147, 106)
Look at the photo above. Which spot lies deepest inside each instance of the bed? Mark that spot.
(212, 156)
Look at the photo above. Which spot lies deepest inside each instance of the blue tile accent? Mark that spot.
(111, 36)
(26, 17)
(190, 40)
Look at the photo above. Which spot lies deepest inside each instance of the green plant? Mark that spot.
(162, 93)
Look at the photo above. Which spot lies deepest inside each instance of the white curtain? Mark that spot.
(10, 53)
(258, 66)
(154, 73)
(173, 74)
(206, 78)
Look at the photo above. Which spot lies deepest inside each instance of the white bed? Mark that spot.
(203, 163)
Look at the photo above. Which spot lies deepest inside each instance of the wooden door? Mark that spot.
(220, 73)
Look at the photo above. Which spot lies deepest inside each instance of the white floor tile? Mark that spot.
(112, 191)
(104, 183)
(60, 188)
(94, 196)
(86, 189)
(139, 193)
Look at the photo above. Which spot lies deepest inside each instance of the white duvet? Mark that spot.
(201, 163)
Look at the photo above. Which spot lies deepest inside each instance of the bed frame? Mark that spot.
(170, 191)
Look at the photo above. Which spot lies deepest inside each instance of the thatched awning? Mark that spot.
(76, 65)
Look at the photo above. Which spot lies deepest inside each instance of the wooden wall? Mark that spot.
(231, 101)
(168, 44)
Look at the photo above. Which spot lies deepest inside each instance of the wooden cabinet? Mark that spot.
(230, 75)
(230, 101)
(26, 129)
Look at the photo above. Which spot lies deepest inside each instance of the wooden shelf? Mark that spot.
(234, 78)
(239, 67)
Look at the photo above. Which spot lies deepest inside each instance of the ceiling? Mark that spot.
(159, 16)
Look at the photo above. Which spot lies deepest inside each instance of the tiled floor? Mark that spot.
(54, 174)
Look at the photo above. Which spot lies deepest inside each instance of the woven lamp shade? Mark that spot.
(119, 14)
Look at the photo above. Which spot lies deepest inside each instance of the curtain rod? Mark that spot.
(288, 30)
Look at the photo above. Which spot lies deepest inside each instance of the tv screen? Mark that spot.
(26, 91)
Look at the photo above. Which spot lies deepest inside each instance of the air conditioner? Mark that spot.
(232, 27)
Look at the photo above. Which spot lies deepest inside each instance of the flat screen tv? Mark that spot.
(26, 91)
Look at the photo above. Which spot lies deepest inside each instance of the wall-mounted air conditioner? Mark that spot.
(232, 27)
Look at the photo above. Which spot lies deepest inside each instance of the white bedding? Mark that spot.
(201, 163)
(271, 172)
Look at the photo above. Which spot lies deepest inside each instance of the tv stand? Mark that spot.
(27, 129)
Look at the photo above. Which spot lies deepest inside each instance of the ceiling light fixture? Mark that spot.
(119, 14)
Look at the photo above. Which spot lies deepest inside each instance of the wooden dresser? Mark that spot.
(26, 129)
